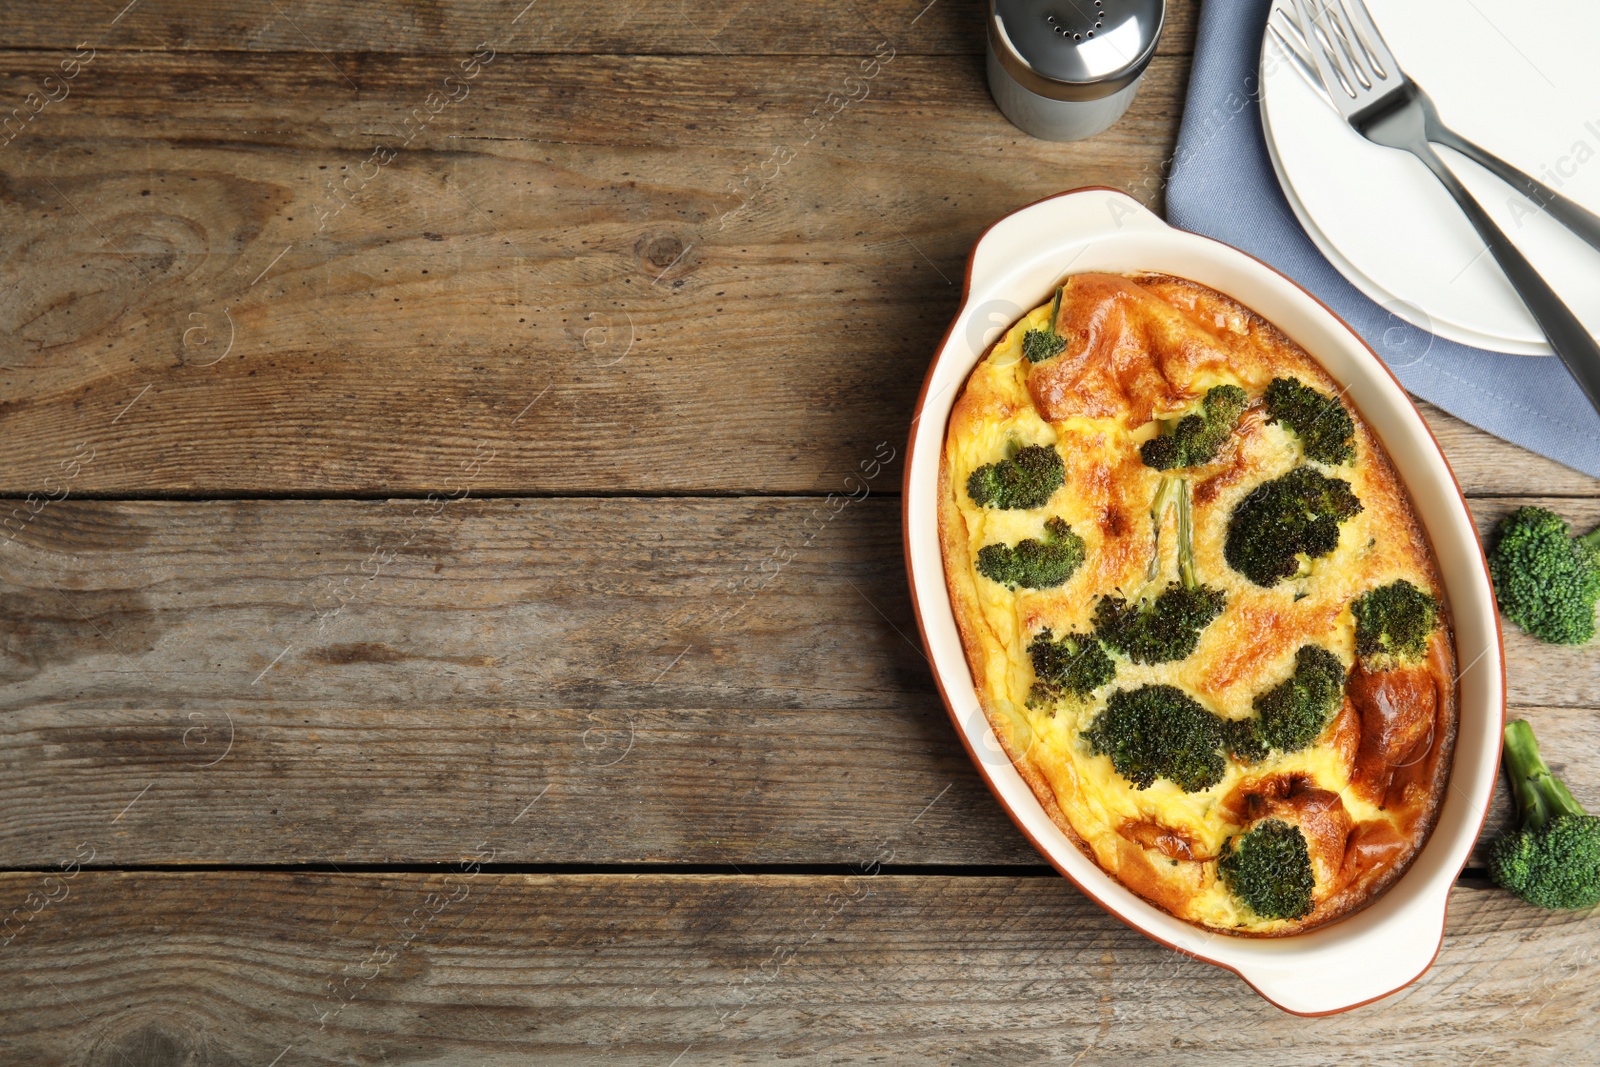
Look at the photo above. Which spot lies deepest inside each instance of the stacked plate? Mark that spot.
(1523, 83)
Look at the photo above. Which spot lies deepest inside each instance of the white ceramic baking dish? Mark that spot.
(1014, 267)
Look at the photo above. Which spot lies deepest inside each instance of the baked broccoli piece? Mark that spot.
(1393, 623)
(1159, 731)
(1292, 714)
(1027, 479)
(1034, 564)
(1553, 858)
(1547, 581)
(1326, 431)
(1284, 519)
(1195, 438)
(1040, 345)
(1166, 627)
(1269, 869)
(1160, 630)
(1073, 663)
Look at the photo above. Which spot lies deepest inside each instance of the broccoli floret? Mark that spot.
(1547, 581)
(1026, 480)
(1286, 518)
(1159, 731)
(1158, 631)
(1073, 663)
(1195, 438)
(1393, 623)
(1326, 431)
(1034, 564)
(1553, 859)
(1166, 627)
(1040, 345)
(1292, 714)
(1269, 869)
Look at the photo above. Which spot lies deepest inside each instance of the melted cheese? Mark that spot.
(1199, 339)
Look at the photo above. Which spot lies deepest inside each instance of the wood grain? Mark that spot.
(236, 968)
(563, 227)
(593, 26)
(390, 681)
(726, 786)
(726, 681)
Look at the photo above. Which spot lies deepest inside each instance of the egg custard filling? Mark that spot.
(1200, 612)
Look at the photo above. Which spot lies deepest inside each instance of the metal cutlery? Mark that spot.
(1292, 40)
(1284, 24)
(1375, 97)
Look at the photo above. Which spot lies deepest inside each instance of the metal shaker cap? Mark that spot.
(1075, 49)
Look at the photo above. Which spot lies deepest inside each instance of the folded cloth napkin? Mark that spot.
(1222, 185)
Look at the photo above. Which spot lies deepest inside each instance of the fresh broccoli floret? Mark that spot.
(1026, 480)
(1393, 623)
(1034, 564)
(1158, 631)
(1286, 518)
(1159, 731)
(1073, 663)
(1292, 714)
(1547, 581)
(1326, 431)
(1269, 869)
(1195, 438)
(1166, 627)
(1553, 859)
(1040, 345)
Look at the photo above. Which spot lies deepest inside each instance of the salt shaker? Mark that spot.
(1066, 69)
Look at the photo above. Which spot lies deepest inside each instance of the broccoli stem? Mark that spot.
(1590, 540)
(1172, 491)
(1541, 796)
(1185, 538)
(1158, 514)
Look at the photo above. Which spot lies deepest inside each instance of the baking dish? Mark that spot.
(1014, 267)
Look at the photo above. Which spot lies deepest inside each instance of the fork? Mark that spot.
(1380, 103)
(1284, 25)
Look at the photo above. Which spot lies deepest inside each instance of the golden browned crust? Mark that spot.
(1140, 348)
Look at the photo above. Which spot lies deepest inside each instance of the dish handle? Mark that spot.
(1085, 215)
(1352, 962)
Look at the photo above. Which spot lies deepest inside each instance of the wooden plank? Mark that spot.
(386, 678)
(242, 967)
(594, 26)
(294, 785)
(565, 227)
(535, 604)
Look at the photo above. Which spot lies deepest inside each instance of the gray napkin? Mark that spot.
(1223, 185)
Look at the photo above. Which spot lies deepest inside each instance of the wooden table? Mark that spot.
(425, 638)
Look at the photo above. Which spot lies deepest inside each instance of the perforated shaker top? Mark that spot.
(1076, 49)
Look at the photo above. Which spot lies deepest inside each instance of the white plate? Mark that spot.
(1499, 76)
(1016, 264)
